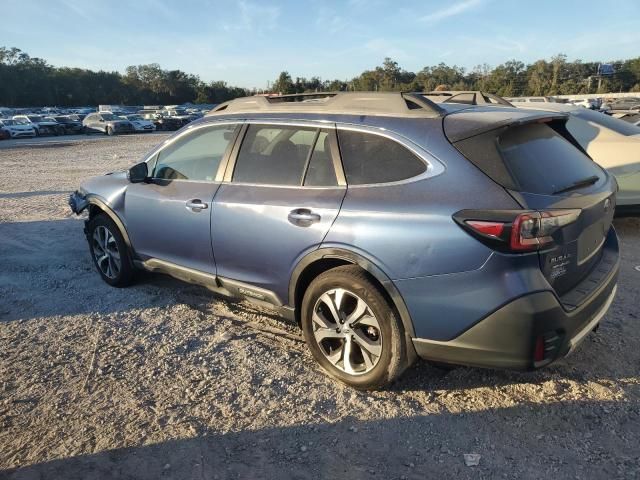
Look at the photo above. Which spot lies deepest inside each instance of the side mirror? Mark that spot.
(138, 173)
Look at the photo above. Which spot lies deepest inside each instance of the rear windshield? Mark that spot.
(602, 119)
(541, 161)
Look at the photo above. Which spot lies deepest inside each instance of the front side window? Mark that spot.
(196, 155)
(280, 155)
(368, 158)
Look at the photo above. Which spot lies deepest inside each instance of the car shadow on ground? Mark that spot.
(531, 440)
(33, 194)
(47, 272)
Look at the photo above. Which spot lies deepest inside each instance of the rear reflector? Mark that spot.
(493, 229)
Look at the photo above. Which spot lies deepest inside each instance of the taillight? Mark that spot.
(515, 231)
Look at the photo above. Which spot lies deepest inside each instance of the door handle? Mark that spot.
(196, 205)
(303, 217)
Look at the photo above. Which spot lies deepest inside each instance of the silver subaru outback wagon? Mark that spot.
(389, 227)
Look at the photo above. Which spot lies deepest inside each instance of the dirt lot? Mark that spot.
(166, 380)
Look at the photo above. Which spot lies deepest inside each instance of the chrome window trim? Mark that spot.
(189, 129)
(314, 124)
(153, 155)
(434, 166)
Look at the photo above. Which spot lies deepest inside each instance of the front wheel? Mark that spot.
(351, 329)
(110, 131)
(109, 251)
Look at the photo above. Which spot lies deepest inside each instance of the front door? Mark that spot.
(278, 205)
(169, 218)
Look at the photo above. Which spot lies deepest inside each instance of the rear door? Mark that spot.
(277, 202)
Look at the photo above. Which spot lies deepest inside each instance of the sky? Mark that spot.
(249, 42)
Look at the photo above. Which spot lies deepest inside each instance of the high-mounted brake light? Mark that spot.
(516, 231)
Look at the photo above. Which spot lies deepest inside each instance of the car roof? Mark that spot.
(396, 104)
(550, 107)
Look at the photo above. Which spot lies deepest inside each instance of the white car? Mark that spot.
(612, 143)
(17, 128)
(41, 125)
(586, 103)
(139, 123)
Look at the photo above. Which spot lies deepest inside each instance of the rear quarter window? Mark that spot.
(369, 158)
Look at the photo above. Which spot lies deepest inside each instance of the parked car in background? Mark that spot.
(630, 117)
(624, 104)
(397, 227)
(466, 97)
(163, 123)
(519, 100)
(140, 123)
(107, 123)
(70, 125)
(41, 124)
(18, 128)
(612, 143)
(590, 103)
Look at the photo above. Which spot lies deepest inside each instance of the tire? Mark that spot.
(383, 333)
(110, 131)
(37, 132)
(116, 267)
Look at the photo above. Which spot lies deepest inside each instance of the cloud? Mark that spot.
(451, 11)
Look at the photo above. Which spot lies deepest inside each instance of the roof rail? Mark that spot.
(346, 103)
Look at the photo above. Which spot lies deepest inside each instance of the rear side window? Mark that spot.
(285, 155)
(320, 172)
(368, 158)
(195, 156)
(541, 161)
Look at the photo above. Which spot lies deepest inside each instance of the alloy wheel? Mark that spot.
(347, 331)
(105, 252)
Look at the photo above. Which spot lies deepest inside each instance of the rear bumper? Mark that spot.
(507, 337)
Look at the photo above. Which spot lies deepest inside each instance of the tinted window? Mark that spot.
(615, 124)
(195, 156)
(274, 155)
(541, 161)
(369, 158)
(320, 172)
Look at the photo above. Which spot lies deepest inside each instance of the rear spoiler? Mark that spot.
(469, 124)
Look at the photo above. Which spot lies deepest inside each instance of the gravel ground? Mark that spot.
(167, 380)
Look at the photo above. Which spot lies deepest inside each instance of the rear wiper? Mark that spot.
(579, 184)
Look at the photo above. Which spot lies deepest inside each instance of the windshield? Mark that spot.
(109, 116)
(135, 117)
(10, 122)
(35, 118)
(619, 126)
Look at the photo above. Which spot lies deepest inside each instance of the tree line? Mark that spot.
(510, 79)
(30, 81)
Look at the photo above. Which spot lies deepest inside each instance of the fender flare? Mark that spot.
(356, 259)
(99, 202)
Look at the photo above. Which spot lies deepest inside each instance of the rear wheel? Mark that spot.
(351, 330)
(109, 251)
